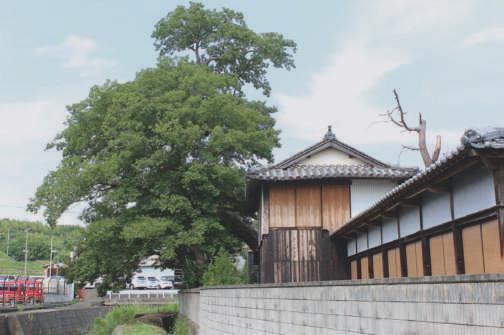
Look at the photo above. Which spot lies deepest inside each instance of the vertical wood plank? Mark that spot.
(378, 265)
(437, 256)
(473, 250)
(335, 205)
(414, 259)
(449, 253)
(282, 202)
(394, 263)
(353, 269)
(308, 202)
(494, 261)
(364, 267)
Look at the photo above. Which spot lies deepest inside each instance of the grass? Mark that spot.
(181, 326)
(9, 266)
(141, 329)
(126, 314)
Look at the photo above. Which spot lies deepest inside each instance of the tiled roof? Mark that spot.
(330, 171)
(329, 141)
(490, 138)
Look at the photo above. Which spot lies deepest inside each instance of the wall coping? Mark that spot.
(457, 279)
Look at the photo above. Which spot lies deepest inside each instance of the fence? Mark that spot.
(27, 290)
(21, 291)
(57, 290)
(141, 296)
(463, 305)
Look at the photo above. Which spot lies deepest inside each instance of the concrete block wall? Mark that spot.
(62, 321)
(432, 305)
(189, 305)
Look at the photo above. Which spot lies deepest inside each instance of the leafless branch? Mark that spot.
(397, 117)
(407, 147)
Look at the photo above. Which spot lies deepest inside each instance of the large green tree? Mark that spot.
(222, 41)
(160, 160)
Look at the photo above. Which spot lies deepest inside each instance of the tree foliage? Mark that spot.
(222, 271)
(65, 238)
(222, 41)
(161, 160)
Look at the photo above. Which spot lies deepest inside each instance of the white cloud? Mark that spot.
(26, 127)
(37, 120)
(385, 36)
(79, 53)
(489, 36)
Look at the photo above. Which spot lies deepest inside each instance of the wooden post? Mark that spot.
(403, 258)
(457, 238)
(499, 195)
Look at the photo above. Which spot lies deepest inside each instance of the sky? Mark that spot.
(444, 57)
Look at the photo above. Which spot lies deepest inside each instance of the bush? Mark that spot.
(125, 314)
(181, 326)
(222, 271)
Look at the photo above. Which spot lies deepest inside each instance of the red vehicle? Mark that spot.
(8, 290)
(21, 291)
(29, 291)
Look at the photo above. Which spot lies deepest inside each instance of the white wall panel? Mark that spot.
(374, 236)
(362, 242)
(409, 220)
(365, 192)
(435, 209)
(389, 229)
(351, 247)
(473, 190)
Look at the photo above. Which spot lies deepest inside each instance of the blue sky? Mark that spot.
(445, 57)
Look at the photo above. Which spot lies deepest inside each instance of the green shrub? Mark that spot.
(222, 271)
(142, 329)
(125, 314)
(181, 326)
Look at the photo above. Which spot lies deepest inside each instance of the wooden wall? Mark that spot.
(482, 249)
(293, 255)
(307, 205)
(480, 244)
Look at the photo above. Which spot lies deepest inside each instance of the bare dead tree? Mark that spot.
(397, 117)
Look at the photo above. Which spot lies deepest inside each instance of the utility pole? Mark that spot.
(8, 241)
(26, 251)
(50, 257)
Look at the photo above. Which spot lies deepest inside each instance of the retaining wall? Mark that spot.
(460, 305)
(189, 305)
(63, 321)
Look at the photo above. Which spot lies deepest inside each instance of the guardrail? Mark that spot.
(141, 296)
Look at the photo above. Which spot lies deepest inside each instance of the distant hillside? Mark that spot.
(11, 267)
(39, 238)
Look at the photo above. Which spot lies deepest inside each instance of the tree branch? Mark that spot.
(239, 227)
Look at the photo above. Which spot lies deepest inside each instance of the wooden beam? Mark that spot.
(438, 189)
(410, 203)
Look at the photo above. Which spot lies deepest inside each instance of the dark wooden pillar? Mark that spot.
(499, 195)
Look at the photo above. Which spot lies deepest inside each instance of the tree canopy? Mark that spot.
(222, 41)
(161, 160)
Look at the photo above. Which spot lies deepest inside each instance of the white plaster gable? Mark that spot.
(330, 156)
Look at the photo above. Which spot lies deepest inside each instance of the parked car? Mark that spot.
(138, 282)
(166, 282)
(153, 283)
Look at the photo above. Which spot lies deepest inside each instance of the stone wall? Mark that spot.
(460, 305)
(63, 321)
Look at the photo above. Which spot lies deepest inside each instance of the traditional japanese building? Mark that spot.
(333, 212)
(302, 200)
(446, 220)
